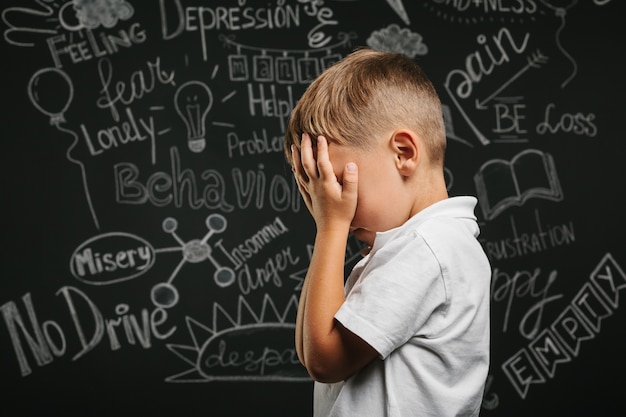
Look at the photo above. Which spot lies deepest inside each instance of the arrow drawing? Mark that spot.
(534, 61)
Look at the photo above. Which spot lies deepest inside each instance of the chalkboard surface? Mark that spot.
(154, 242)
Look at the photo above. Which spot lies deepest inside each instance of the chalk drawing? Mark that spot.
(194, 251)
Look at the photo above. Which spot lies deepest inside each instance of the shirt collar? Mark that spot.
(453, 207)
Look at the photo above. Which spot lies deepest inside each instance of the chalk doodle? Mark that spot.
(580, 321)
(196, 250)
(398, 40)
(248, 346)
(53, 103)
(192, 101)
(561, 12)
(155, 235)
(502, 184)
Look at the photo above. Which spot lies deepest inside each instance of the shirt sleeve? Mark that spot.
(395, 296)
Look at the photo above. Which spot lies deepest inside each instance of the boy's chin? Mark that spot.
(365, 236)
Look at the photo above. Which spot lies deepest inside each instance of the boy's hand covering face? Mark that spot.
(331, 203)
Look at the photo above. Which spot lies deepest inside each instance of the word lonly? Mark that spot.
(132, 130)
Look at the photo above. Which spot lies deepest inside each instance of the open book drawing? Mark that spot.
(502, 184)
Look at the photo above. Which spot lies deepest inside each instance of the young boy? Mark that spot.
(409, 336)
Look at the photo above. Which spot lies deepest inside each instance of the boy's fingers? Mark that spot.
(297, 168)
(350, 179)
(324, 165)
(307, 159)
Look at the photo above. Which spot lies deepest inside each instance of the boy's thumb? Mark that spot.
(350, 177)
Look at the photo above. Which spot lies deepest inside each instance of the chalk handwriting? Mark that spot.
(269, 272)
(178, 187)
(561, 341)
(140, 83)
(47, 340)
(238, 346)
(134, 129)
(507, 288)
(269, 104)
(521, 243)
(516, 7)
(259, 144)
(253, 244)
(535, 60)
(483, 62)
(191, 60)
(176, 20)
(93, 46)
(110, 258)
(577, 123)
(208, 189)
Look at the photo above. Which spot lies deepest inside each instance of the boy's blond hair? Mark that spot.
(365, 95)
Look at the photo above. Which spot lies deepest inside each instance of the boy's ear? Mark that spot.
(406, 145)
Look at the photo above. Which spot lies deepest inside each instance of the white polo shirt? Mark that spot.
(421, 299)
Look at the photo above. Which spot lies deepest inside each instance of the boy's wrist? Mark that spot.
(335, 228)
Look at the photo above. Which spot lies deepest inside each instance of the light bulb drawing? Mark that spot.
(193, 100)
(197, 250)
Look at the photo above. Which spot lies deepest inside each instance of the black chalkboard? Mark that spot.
(154, 242)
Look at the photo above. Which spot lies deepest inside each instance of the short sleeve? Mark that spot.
(398, 291)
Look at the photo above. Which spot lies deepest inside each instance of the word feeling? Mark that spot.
(94, 46)
(47, 340)
(539, 240)
(181, 187)
(579, 321)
